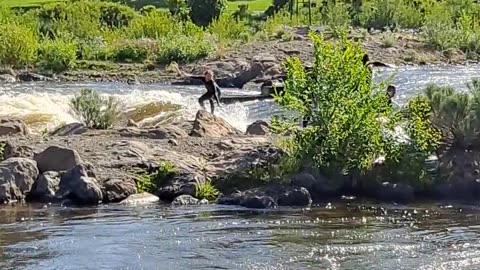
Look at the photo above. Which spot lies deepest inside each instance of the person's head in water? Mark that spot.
(208, 75)
(365, 59)
(391, 91)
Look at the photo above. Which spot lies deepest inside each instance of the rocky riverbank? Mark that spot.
(253, 62)
(75, 165)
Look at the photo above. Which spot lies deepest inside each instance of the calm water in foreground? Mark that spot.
(328, 236)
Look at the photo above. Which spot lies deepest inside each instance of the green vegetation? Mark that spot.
(94, 110)
(206, 191)
(351, 124)
(151, 182)
(63, 35)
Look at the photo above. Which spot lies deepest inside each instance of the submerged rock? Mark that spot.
(399, 193)
(79, 185)
(140, 199)
(208, 125)
(258, 202)
(17, 176)
(57, 158)
(12, 126)
(117, 190)
(46, 186)
(259, 127)
(185, 200)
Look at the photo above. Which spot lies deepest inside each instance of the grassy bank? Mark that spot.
(68, 35)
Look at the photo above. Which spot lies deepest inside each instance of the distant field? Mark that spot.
(255, 5)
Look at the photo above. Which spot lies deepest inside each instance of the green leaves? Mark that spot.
(336, 94)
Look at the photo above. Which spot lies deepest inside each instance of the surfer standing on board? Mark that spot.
(213, 91)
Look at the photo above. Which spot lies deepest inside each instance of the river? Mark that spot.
(336, 235)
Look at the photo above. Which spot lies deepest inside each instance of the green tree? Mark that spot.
(203, 12)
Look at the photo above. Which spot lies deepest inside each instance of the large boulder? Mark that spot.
(117, 190)
(57, 158)
(12, 126)
(259, 127)
(185, 200)
(183, 184)
(79, 185)
(258, 202)
(46, 186)
(208, 125)
(140, 199)
(17, 176)
(295, 197)
(256, 70)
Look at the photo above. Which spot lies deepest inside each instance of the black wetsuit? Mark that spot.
(213, 92)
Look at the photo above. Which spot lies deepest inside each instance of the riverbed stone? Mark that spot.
(13, 150)
(295, 197)
(46, 186)
(69, 129)
(258, 202)
(17, 176)
(161, 133)
(7, 78)
(208, 125)
(259, 127)
(57, 158)
(12, 126)
(185, 200)
(183, 184)
(140, 199)
(32, 77)
(117, 190)
(79, 185)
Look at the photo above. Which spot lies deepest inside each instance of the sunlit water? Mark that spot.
(327, 236)
(46, 105)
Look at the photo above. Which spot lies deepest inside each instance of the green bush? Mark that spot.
(206, 191)
(178, 8)
(226, 28)
(336, 17)
(116, 15)
(57, 55)
(379, 14)
(408, 16)
(344, 133)
(137, 51)
(94, 110)
(18, 45)
(203, 12)
(183, 50)
(151, 182)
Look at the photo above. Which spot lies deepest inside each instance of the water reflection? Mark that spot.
(336, 236)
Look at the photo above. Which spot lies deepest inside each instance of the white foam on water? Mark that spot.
(54, 106)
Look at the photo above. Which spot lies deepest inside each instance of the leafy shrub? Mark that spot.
(18, 45)
(183, 50)
(57, 55)
(116, 15)
(344, 133)
(388, 40)
(336, 17)
(151, 182)
(226, 28)
(203, 12)
(137, 51)
(94, 110)
(178, 8)
(156, 24)
(379, 14)
(408, 16)
(206, 191)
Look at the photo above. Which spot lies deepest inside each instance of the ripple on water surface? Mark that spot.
(217, 237)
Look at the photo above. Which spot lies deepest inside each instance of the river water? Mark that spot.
(336, 235)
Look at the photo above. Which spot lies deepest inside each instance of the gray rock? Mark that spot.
(295, 197)
(69, 129)
(12, 126)
(46, 186)
(7, 78)
(140, 199)
(203, 202)
(79, 185)
(259, 127)
(117, 190)
(208, 125)
(255, 71)
(32, 77)
(259, 202)
(182, 184)
(185, 200)
(17, 176)
(56, 158)
(161, 133)
(11, 150)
